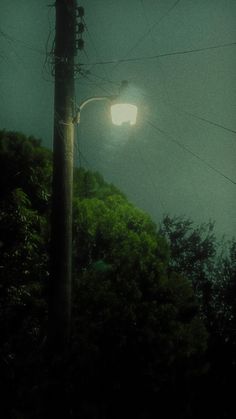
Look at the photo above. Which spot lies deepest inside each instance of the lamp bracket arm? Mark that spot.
(88, 100)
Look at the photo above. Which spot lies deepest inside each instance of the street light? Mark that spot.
(122, 112)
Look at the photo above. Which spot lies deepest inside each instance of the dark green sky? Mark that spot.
(153, 170)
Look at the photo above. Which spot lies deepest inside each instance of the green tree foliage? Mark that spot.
(193, 249)
(210, 265)
(224, 291)
(136, 326)
(137, 338)
(25, 165)
(193, 255)
(25, 171)
(25, 174)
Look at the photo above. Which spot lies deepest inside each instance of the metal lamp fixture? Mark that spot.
(122, 112)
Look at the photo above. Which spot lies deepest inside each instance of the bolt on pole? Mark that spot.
(62, 184)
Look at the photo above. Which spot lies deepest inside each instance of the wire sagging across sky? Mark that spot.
(22, 43)
(166, 54)
(173, 140)
(149, 30)
(208, 121)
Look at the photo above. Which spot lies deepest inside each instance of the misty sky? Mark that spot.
(170, 162)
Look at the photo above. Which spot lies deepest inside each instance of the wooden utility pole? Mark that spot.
(62, 186)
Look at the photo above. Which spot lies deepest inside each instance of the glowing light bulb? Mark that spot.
(123, 113)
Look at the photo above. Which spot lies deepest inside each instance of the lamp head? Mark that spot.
(122, 111)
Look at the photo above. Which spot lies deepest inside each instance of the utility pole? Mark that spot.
(62, 185)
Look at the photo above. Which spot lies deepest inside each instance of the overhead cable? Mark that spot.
(23, 43)
(173, 140)
(167, 54)
(155, 24)
(200, 118)
(123, 60)
(208, 121)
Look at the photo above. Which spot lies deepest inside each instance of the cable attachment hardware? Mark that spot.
(79, 12)
(79, 28)
(80, 44)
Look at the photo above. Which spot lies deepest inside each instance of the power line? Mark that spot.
(201, 118)
(13, 49)
(121, 60)
(23, 43)
(167, 54)
(106, 80)
(165, 88)
(148, 31)
(163, 85)
(208, 121)
(173, 140)
(47, 69)
(96, 83)
(95, 49)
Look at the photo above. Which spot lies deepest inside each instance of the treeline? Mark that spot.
(153, 331)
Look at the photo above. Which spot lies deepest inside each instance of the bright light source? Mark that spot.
(123, 113)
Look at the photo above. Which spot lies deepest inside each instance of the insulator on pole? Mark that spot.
(80, 44)
(80, 27)
(80, 11)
